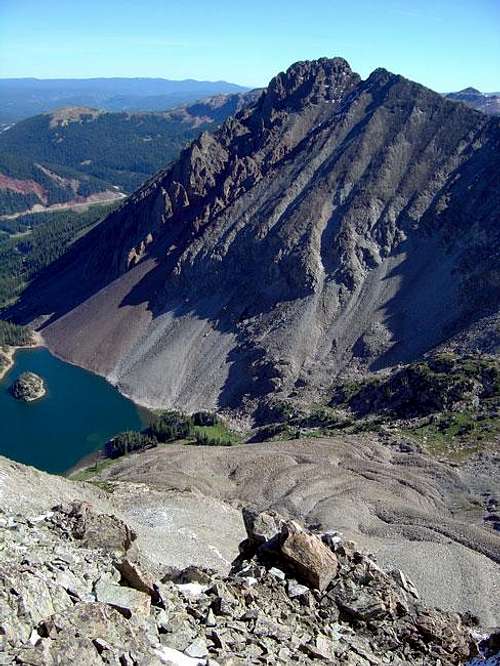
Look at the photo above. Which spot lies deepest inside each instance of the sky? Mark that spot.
(444, 44)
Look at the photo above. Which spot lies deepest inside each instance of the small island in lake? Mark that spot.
(28, 387)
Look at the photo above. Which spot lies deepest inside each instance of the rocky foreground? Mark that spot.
(75, 588)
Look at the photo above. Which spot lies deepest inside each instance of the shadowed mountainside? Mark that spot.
(333, 226)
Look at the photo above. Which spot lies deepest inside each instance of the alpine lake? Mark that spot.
(75, 418)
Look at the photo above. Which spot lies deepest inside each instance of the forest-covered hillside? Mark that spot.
(30, 243)
(75, 152)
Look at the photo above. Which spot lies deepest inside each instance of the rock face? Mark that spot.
(28, 387)
(334, 225)
(64, 600)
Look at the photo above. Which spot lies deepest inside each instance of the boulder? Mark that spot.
(445, 630)
(261, 527)
(126, 600)
(136, 575)
(198, 649)
(96, 530)
(364, 606)
(89, 633)
(405, 582)
(313, 562)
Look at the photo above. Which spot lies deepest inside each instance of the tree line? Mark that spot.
(202, 428)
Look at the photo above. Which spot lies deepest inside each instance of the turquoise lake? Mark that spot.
(75, 418)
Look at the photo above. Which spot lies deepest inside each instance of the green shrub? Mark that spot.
(205, 419)
(419, 389)
(170, 426)
(204, 439)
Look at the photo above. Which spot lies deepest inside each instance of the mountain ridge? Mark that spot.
(285, 248)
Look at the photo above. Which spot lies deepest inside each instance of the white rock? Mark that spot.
(296, 589)
(41, 517)
(34, 637)
(277, 573)
(250, 581)
(198, 649)
(173, 657)
(372, 564)
(405, 583)
(191, 590)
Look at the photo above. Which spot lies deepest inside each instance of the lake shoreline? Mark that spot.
(9, 352)
(149, 409)
(68, 428)
(84, 463)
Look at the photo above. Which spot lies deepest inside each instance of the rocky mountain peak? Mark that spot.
(310, 81)
(291, 241)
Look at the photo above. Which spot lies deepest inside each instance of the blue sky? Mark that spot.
(445, 44)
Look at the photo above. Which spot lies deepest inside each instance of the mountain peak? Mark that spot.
(279, 242)
(469, 91)
(325, 79)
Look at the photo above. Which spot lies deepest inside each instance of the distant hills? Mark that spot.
(22, 98)
(486, 102)
(79, 152)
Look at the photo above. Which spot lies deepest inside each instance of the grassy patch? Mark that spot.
(88, 473)
(457, 435)
(217, 434)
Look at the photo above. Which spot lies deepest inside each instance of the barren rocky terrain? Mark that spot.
(154, 561)
(410, 510)
(326, 262)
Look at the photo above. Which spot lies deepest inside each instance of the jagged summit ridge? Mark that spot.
(334, 224)
(316, 81)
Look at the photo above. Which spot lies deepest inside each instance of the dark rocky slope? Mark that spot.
(336, 225)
